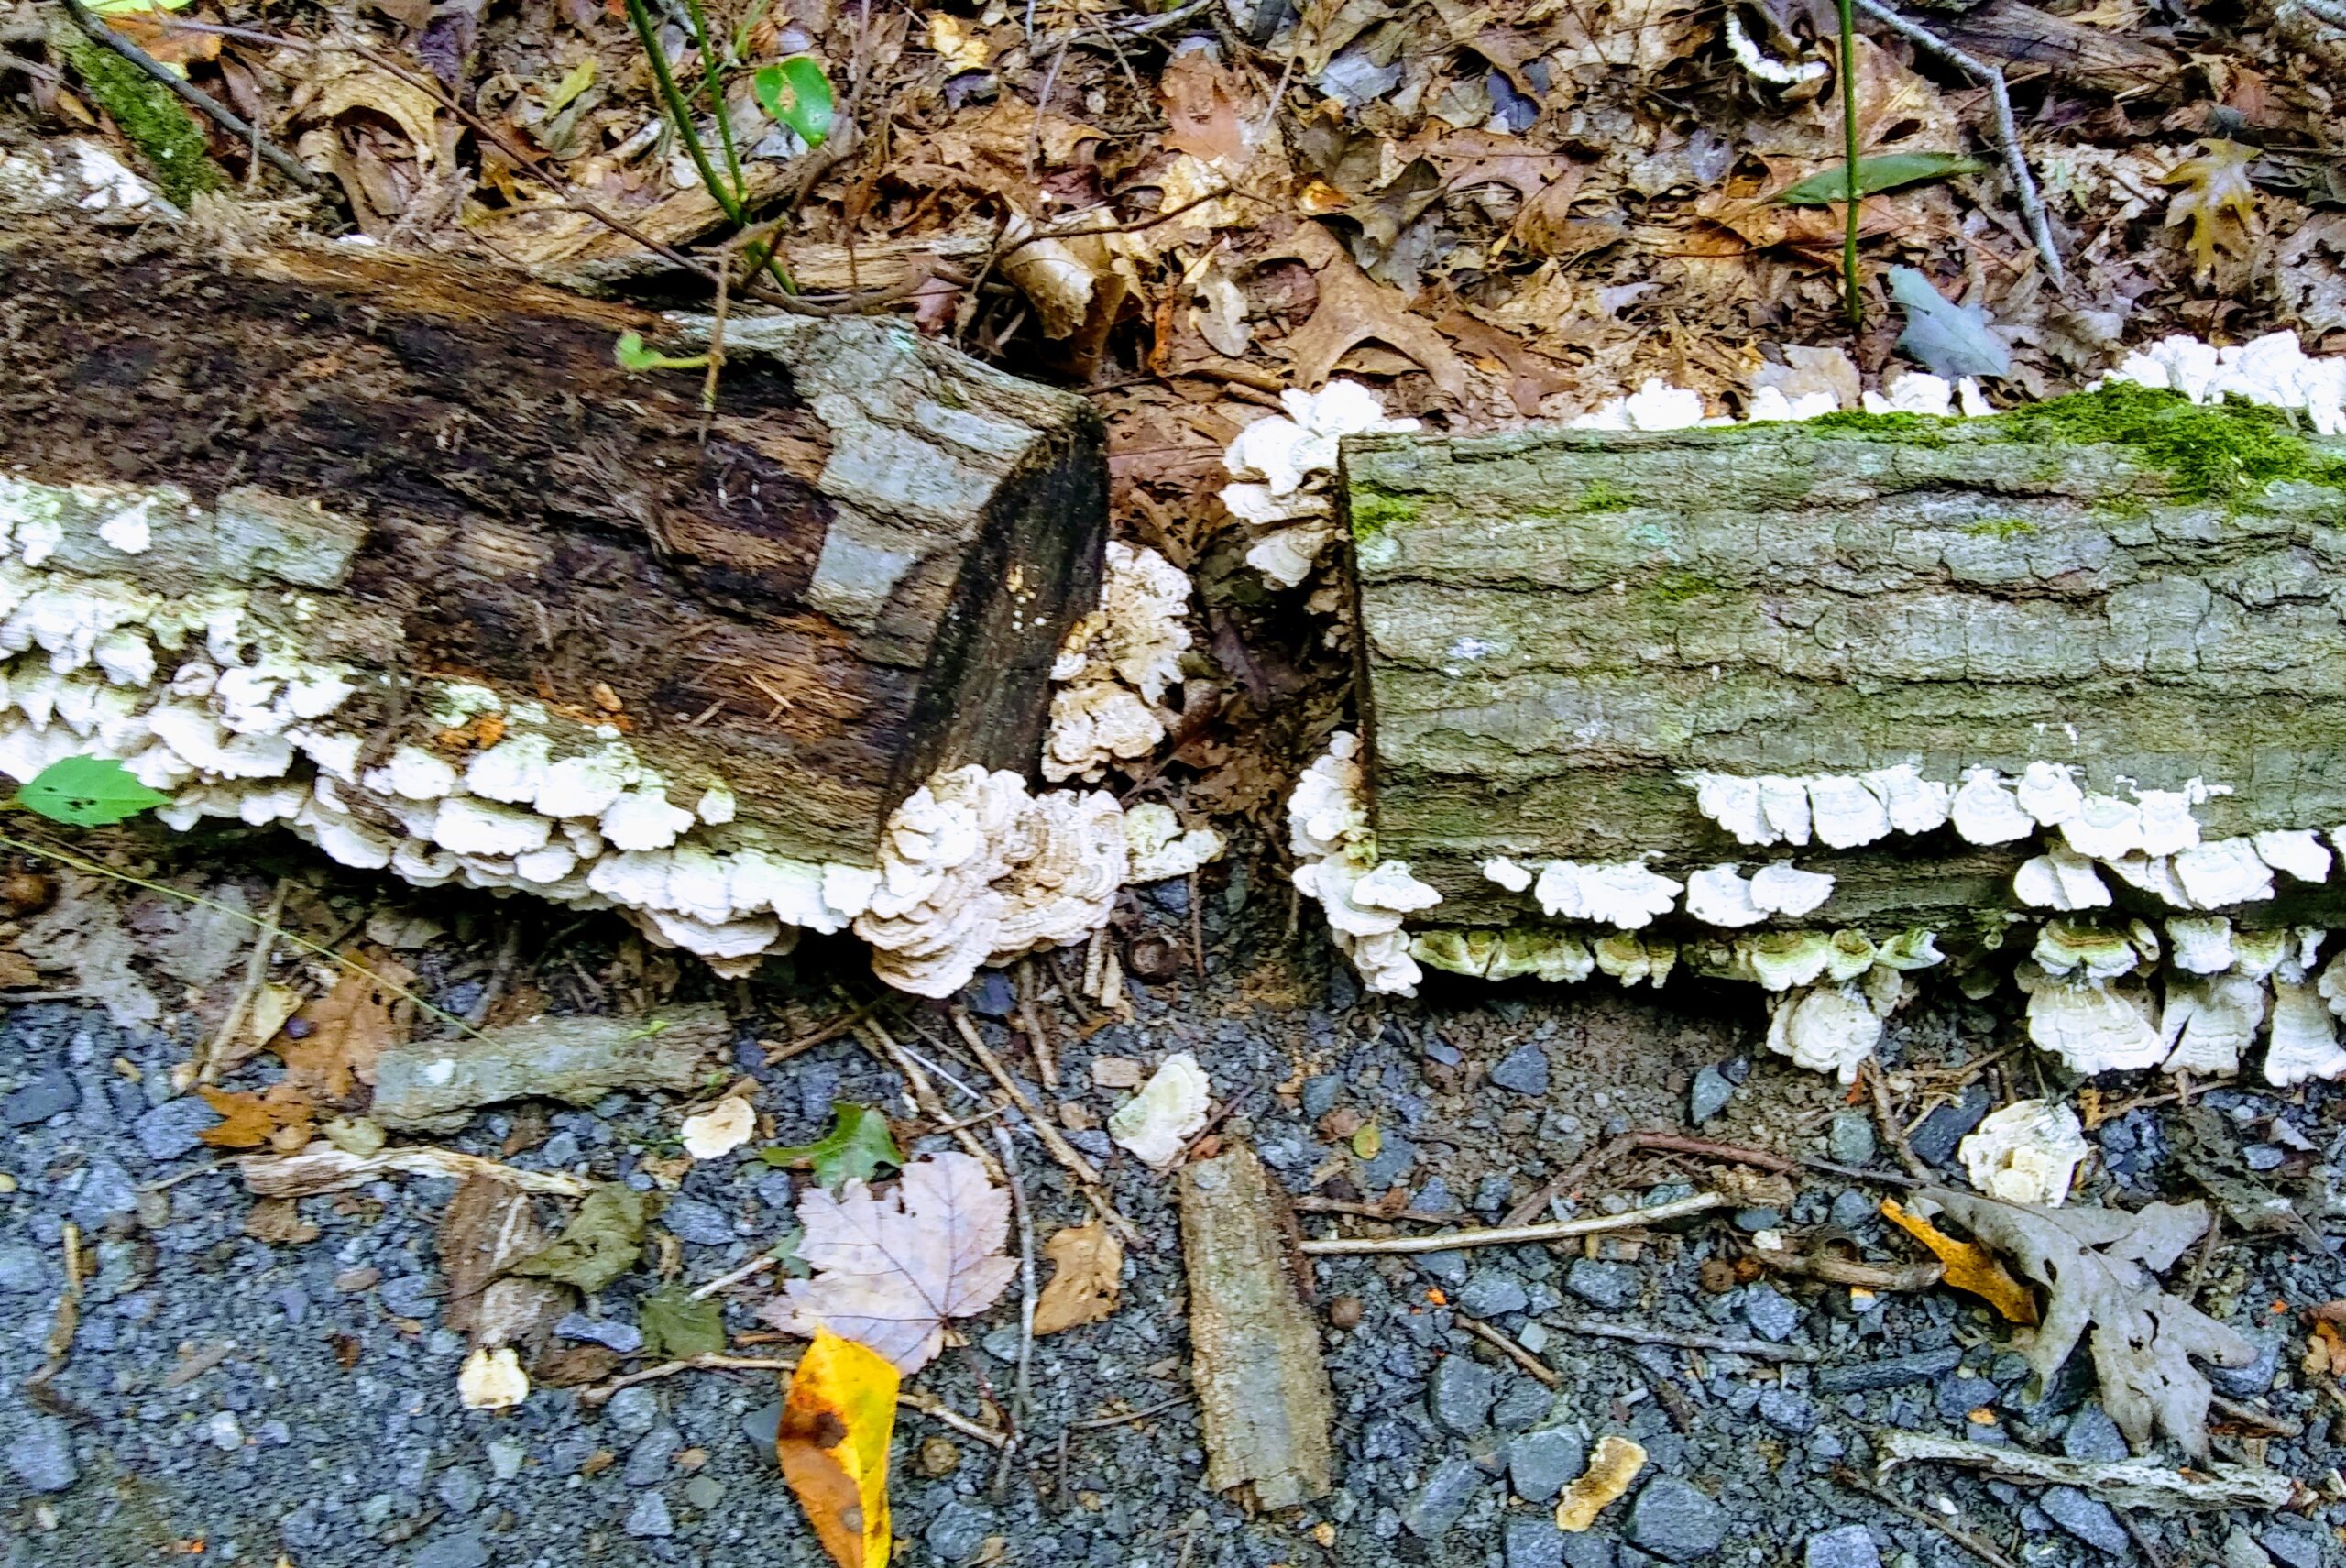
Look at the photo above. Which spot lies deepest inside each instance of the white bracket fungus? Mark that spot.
(1114, 666)
(1171, 1108)
(1985, 811)
(2209, 1020)
(2093, 1025)
(2026, 1153)
(1622, 894)
(2273, 370)
(1282, 466)
(2303, 1041)
(1826, 1028)
(1160, 849)
(1364, 902)
(2200, 944)
(2059, 879)
(1508, 874)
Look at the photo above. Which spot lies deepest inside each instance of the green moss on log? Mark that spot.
(148, 115)
(2213, 452)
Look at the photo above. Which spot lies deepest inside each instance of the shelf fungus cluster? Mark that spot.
(1114, 667)
(1282, 469)
(218, 698)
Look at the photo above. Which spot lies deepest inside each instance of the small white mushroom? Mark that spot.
(513, 771)
(716, 1131)
(1985, 812)
(2299, 852)
(2104, 828)
(2027, 1152)
(1845, 812)
(1827, 1028)
(2048, 792)
(1733, 802)
(2168, 826)
(2216, 874)
(2060, 879)
(717, 805)
(1157, 1124)
(1784, 889)
(1914, 804)
(1507, 874)
(2303, 1041)
(492, 1380)
(1783, 806)
(1719, 895)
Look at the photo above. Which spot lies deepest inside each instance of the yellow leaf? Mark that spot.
(2214, 186)
(959, 44)
(833, 1445)
(581, 76)
(1368, 1143)
(1968, 1267)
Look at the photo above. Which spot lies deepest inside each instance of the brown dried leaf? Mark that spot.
(279, 1220)
(350, 1027)
(1354, 310)
(2215, 198)
(248, 1121)
(1089, 1261)
(487, 1228)
(890, 1271)
(1968, 1267)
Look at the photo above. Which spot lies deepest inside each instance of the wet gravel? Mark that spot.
(299, 1399)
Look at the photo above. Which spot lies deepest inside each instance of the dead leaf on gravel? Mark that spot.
(279, 1221)
(1089, 1261)
(1968, 1267)
(248, 1121)
(487, 1228)
(350, 1027)
(2098, 1266)
(892, 1270)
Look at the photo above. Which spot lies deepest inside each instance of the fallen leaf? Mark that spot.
(1088, 1263)
(1353, 309)
(271, 1009)
(832, 1443)
(338, 83)
(2214, 188)
(720, 1130)
(247, 1120)
(1610, 1470)
(855, 1148)
(1368, 1143)
(960, 46)
(600, 1243)
(678, 1328)
(350, 1028)
(891, 1271)
(1968, 1267)
(2098, 1268)
(487, 1228)
(1891, 171)
(279, 1220)
(1950, 340)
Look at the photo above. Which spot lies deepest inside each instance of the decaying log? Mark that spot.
(858, 573)
(436, 1085)
(1262, 1393)
(1558, 626)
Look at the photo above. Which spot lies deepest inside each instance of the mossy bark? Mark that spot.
(1554, 624)
(149, 115)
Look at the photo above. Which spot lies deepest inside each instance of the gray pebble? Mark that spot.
(1539, 1463)
(506, 1459)
(1853, 1210)
(410, 1296)
(2240, 1550)
(1772, 1315)
(1523, 1403)
(1489, 1293)
(44, 1097)
(1608, 1285)
(169, 1130)
(703, 1224)
(2093, 1435)
(1093, 1142)
(41, 1455)
(1437, 1505)
(22, 1268)
(105, 1192)
(609, 1332)
(1534, 1543)
(649, 1520)
(1391, 1164)
(1849, 1138)
(1848, 1547)
(1523, 1070)
(1002, 1343)
(647, 1462)
(1933, 1141)
(1786, 1411)
(1674, 1520)
(2256, 1378)
(1708, 1096)
(1320, 1094)
(635, 1410)
(1592, 1549)
(461, 1549)
(1461, 1394)
(1448, 1266)
(460, 1489)
(1959, 1396)
(704, 1492)
(760, 1424)
(959, 1532)
(2088, 1519)
(2292, 1546)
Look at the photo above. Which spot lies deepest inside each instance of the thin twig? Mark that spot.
(2032, 206)
(1508, 1235)
(924, 1095)
(1758, 1349)
(1038, 1041)
(1886, 1117)
(57, 1348)
(927, 1405)
(256, 976)
(1097, 1422)
(758, 1264)
(1843, 1476)
(195, 97)
(1069, 1157)
(1498, 1341)
(1020, 1390)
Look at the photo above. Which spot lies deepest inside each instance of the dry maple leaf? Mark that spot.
(890, 1271)
(2213, 187)
(1090, 1262)
(2097, 1265)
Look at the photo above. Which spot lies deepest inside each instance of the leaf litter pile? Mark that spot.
(1490, 215)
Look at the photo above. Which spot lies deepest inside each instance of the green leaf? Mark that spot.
(1368, 1143)
(581, 76)
(600, 1243)
(857, 1145)
(632, 355)
(1875, 175)
(678, 1328)
(797, 93)
(87, 792)
(133, 7)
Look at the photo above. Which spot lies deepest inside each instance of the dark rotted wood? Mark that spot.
(856, 573)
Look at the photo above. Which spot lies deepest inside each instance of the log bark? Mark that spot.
(1556, 624)
(855, 571)
(1263, 1394)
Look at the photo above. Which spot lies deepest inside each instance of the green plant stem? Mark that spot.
(318, 950)
(710, 75)
(680, 113)
(1851, 289)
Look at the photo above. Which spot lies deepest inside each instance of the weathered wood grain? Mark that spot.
(855, 571)
(1555, 624)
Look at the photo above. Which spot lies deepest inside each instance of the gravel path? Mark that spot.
(298, 1400)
